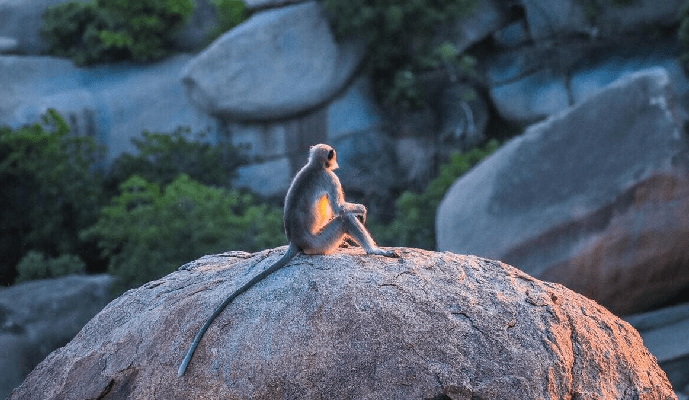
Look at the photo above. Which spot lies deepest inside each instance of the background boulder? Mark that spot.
(595, 198)
(427, 325)
(39, 316)
(278, 63)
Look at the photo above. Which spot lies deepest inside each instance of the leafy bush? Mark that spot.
(109, 30)
(161, 157)
(49, 191)
(72, 30)
(403, 41)
(147, 232)
(414, 224)
(230, 14)
(34, 265)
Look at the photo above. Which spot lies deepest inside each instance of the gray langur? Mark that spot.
(317, 220)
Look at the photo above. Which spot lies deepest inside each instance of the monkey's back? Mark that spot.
(301, 202)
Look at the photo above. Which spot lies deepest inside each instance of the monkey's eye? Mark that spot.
(331, 154)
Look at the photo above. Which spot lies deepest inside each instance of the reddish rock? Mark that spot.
(595, 198)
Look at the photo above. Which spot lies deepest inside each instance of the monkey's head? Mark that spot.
(322, 154)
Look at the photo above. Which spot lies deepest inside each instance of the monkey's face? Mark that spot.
(324, 155)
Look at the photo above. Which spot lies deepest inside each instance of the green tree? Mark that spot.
(50, 191)
(230, 14)
(161, 157)
(35, 265)
(403, 40)
(110, 30)
(147, 232)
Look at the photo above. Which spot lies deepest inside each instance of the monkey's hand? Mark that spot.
(358, 210)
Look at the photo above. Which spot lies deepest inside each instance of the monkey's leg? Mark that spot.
(326, 240)
(358, 232)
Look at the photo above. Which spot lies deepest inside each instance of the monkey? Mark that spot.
(316, 220)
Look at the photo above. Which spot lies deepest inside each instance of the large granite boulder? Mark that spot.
(595, 198)
(37, 317)
(426, 325)
(278, 63)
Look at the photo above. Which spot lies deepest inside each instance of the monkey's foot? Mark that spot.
(385, 253)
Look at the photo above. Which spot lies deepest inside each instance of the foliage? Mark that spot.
(49, 191)
(161, 157)
(34, 265)
(147, 232)
(109, 30)
(414, 224)
(683, 34)
(72, 29)
(402, 40)
(230, 14)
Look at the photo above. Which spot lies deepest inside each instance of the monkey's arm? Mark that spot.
(292, 251)
(356, 209)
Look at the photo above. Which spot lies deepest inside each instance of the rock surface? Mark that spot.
(278, 63)
(596, 198)
(426, 325)
(488, 17)
(39, 316)
(529, 83)
(552, 18)
(111, 103)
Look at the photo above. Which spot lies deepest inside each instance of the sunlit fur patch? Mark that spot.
(323, 213)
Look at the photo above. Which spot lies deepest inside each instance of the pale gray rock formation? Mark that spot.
(112, 103)
(427, 325)
(37, 317)
(595, 198)
(278, 63)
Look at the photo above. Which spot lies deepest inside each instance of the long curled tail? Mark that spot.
(292, 251)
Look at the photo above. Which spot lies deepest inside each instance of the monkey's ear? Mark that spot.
(331, 154)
